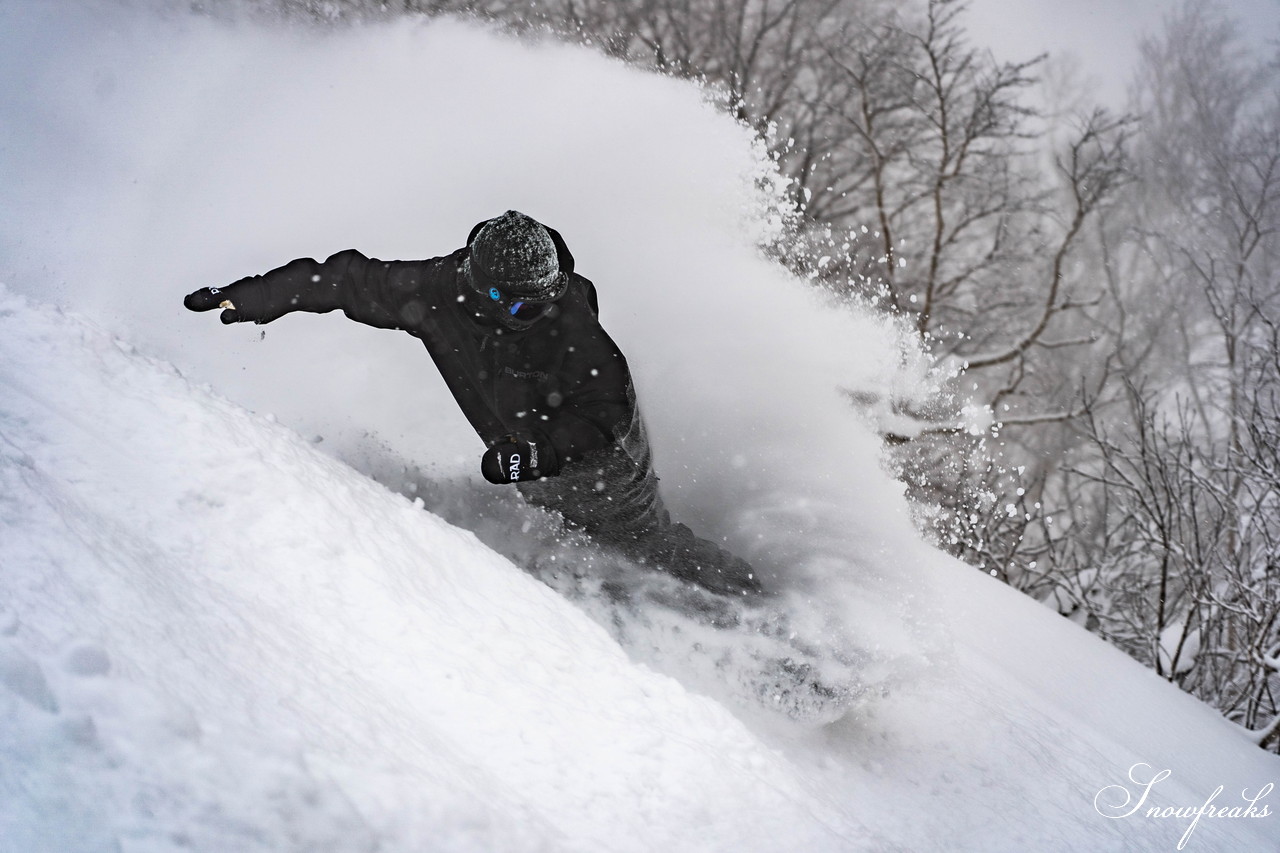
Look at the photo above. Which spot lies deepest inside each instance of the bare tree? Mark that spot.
(934, 188)
(1174, 516)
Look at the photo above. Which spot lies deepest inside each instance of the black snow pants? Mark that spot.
(612, 495)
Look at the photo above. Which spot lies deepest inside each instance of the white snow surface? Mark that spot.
(220, 631)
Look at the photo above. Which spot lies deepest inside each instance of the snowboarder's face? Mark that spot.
(511, 312)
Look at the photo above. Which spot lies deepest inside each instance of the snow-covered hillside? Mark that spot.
(219, 632)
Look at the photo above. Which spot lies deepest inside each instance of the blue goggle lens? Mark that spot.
(529, 310)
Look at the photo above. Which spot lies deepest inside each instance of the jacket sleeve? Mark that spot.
(377, 293)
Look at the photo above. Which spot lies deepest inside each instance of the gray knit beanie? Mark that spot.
(515, 253)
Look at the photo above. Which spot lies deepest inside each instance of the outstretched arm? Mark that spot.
(366, 290)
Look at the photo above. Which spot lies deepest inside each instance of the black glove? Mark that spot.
(514, 458)
(208, 298)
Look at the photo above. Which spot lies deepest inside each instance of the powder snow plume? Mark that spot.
(161, 154)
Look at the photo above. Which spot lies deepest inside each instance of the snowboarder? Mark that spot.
(515, 333)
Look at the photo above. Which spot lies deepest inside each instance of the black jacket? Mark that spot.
(563, 381)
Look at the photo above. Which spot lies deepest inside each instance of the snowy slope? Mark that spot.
(272, 600)
(218, 632)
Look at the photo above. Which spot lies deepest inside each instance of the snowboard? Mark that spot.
(743, 649)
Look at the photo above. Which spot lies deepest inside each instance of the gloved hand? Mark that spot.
(514, 458)
(208, 298)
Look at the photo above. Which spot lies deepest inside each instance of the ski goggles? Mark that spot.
(524, 310)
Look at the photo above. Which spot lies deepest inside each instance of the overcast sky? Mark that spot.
(1102, 34)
